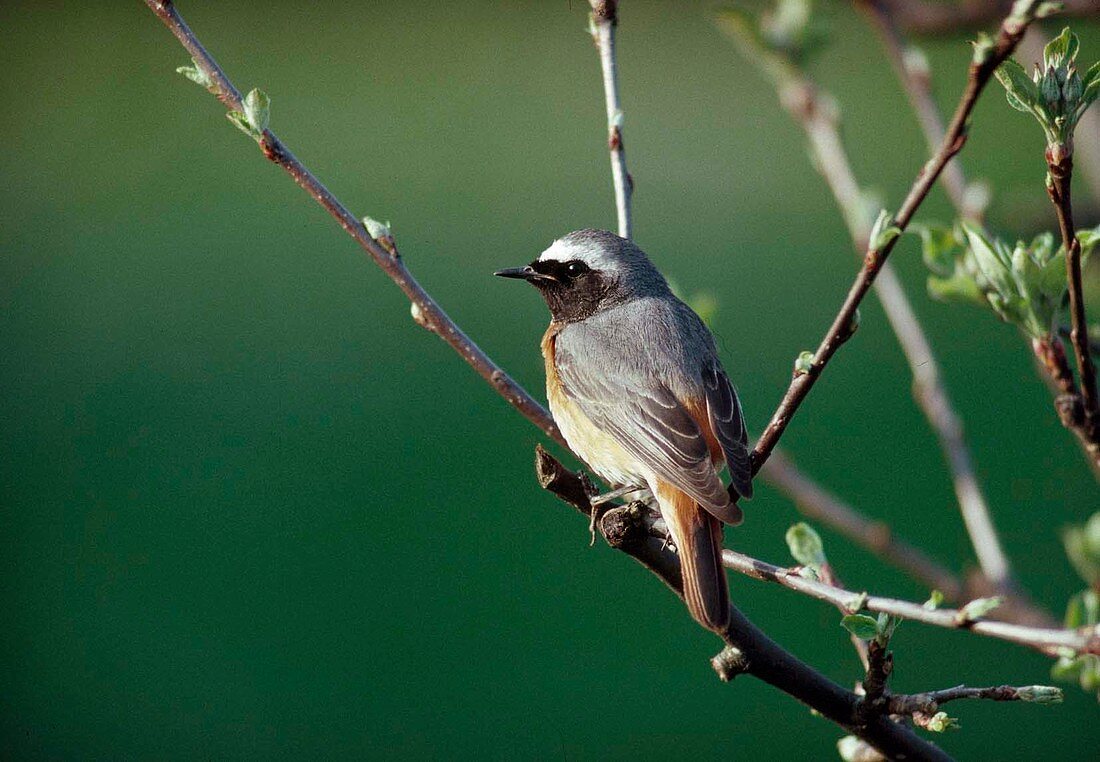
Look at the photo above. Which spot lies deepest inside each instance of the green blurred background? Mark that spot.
(248, 509)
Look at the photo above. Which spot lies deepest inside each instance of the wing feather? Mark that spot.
(648, 420)
(728, 423)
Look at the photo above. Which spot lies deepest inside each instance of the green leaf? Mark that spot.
(939, 247)
(978, 608)
(992, 261)
(197, 75)
(883, 231)
(1082, 544)
(1061, 50)
(1067, 668)
(1046, 9)
(1022, 93)
(1083, 609)
(1091, 83)
(983, 48)
(805, 545)
(940, 722)
(240, 121)
(804, 363)
(958, 288)
(1088, 239)
(861, 625)
(257, 110)
(887, 623)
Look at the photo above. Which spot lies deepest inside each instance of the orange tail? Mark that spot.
(698, 538)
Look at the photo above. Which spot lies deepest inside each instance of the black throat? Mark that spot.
(571, 296)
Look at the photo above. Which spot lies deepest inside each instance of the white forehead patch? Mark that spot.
(562, 251)
(591, 253)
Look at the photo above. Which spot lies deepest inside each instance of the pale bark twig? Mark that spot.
(980, 72)
(635, 518)
(605, 19)
(1045, 640)
(818, 119)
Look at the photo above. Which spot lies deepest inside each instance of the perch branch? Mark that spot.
(980, 72)
(425, 310)
(748, 650)
(622, 520)
(604, 22)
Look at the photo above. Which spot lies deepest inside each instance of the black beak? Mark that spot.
(526, 273)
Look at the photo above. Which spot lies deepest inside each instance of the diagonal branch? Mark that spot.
(636, 519)
(985, 62)
(604, 20)
(748, 649)
(426, 311)
(818, 119)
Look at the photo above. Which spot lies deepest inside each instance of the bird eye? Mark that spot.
(576, 268)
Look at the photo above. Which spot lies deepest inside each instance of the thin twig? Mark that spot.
(930, 702)
(1060, 174)
(929, 17)
(426, 311)
(819, 121)
(748, 649)
(604, 22)
(1045, 640)
(980, 72)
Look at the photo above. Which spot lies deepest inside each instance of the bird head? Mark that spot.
(588, 271)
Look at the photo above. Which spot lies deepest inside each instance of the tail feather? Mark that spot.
(698, 538)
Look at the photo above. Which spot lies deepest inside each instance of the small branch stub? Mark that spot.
(729, 663)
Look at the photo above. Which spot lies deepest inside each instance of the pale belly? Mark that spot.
(599, 450)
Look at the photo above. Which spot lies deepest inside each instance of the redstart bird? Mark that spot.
(635, 385)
